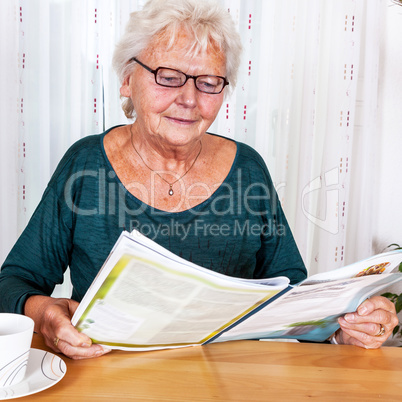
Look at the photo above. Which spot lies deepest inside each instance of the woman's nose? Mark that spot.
(188, 93)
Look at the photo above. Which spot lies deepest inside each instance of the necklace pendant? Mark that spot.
(171, 191)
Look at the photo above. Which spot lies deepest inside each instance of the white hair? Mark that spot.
(205, 20)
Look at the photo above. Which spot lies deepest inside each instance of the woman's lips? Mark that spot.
(180, 120)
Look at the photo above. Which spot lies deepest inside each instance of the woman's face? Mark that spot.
(174, 116)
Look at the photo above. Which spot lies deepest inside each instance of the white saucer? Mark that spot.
(43, 371)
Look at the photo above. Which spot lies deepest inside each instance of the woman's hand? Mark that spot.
(364, 327)
(53, 321)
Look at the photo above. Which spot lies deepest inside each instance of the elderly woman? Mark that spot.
(204, 197)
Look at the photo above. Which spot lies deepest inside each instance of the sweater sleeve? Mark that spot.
(39, 259)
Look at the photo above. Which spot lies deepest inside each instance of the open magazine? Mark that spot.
(145, 297)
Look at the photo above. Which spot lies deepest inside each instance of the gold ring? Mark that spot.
(381, 331)
(56, 341)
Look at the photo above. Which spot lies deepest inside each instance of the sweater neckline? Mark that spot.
(143, 204)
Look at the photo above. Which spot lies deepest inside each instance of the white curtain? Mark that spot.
(306, 100)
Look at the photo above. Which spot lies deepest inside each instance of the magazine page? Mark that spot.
(111, 260)
(309, 312)
(138, 237)
(379, 264)
(149, 299)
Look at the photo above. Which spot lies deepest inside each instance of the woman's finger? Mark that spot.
(76, 353)
(376, 303)
(362, 339)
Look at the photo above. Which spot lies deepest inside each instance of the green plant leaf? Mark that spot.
(390, 296)
(400, 267)
(397, 246)
(395, 331)
(398, 304)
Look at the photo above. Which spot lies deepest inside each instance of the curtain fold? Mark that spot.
(10, 103)
(305, 99)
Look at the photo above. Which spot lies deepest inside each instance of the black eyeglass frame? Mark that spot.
(194, 77)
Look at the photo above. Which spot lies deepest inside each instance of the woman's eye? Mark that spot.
(208, 84)
(169, 78)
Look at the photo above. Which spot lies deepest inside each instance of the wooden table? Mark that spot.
(236, 371)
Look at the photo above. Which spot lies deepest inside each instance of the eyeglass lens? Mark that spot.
(173, 78)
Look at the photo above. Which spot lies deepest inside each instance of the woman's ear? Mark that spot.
(125, 87)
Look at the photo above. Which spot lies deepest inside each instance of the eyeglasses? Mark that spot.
(168, 77)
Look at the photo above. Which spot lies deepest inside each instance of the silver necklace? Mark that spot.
(170, 192)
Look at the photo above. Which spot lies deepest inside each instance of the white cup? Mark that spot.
(15, 343)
